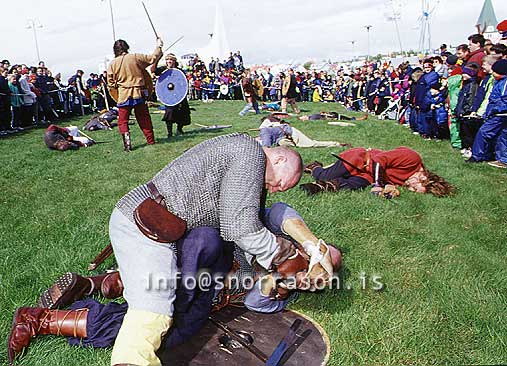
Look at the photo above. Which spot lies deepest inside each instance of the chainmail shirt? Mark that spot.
(218, 183)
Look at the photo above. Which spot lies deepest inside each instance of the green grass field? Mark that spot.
(443, 261)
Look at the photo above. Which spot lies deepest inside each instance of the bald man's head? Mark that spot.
(284, 168)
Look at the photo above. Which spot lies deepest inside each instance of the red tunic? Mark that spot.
(398, 164)
(61, 130)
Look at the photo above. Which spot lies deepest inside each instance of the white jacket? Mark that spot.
(29, 96)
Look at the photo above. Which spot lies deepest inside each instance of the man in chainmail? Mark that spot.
(217, 184)
(217, 188)
(234, 282)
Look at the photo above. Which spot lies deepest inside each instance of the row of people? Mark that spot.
(32, 95)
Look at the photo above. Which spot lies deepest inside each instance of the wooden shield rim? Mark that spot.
(322, 332)
(259, 88)
(286, 84)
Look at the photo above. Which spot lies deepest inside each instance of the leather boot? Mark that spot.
(127, 144)
(72, 287)
(321, 186)
(30, 322)
(310, 167)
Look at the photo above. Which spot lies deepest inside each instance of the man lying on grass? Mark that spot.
(359, 168)
(89, 323)
(274, 131)
(332, 116)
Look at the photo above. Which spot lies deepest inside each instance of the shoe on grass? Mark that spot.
(498, 164)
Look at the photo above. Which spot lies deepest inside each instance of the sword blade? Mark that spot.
(348, 163)
(284, 344)
(172, 44)
(149, 18)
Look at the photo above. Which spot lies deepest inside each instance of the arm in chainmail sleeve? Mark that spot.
(261, 244)
(240, 200)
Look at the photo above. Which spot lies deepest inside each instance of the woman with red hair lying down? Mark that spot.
(359, 168)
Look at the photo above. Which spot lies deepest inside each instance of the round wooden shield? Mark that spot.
(259, 88)
(266, 330)
(285, 86)
(148, 82)
(172, 87)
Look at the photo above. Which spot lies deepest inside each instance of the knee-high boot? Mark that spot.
(30, 322)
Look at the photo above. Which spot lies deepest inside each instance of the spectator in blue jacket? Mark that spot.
(422, 103)
(495, 124)
(372, 88)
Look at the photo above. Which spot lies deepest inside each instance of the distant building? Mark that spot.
(486, 24)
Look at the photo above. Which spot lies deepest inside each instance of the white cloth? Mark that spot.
(76, 135)
(301, 140)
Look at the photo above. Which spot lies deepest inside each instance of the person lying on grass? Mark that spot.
(331, 116)
(65, 138)
(274, 131)
(89, 323)
(359, 168)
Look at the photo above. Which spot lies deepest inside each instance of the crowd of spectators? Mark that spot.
(459, 97)
(31, 96)
(205, 80)
(455, 96)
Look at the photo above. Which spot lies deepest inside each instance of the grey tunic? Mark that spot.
(218, 183)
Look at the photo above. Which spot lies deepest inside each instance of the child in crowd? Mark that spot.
(467, 123)
(439, 120)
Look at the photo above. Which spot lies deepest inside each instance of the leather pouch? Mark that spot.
(157, 223)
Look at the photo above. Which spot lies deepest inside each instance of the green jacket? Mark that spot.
(454, 86)
(16, 99)
(488, 88)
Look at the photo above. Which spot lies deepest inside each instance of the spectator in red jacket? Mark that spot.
(476, 46)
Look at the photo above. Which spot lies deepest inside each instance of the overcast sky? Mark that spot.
(77, 33)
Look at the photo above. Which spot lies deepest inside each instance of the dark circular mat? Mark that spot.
(267, 331)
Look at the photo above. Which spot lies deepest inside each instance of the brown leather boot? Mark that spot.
(321, 186)
(72, 287)
(127, 144)
(310, 167)
(30, 322)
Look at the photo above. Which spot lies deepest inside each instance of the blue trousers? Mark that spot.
(412, 118)
(485, 140)
(423, 123)
(501, 146)
(200, 249)
(339, 171)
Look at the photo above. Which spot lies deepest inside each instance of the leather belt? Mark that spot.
(156, 194)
